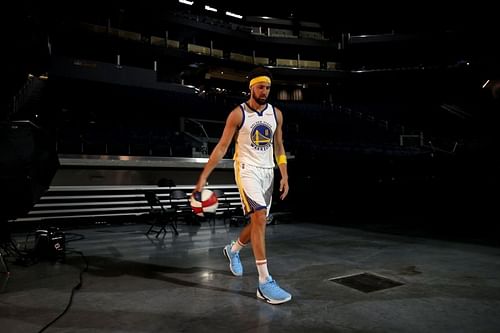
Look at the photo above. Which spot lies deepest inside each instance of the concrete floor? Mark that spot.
(137, 283)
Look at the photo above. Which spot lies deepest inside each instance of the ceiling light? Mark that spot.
(234, 15)
(211, 9)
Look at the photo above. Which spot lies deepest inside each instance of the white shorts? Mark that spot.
(255, 185)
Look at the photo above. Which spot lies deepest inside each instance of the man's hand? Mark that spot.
(283, 188)
(199, 186)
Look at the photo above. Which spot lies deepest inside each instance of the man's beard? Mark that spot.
(260, 101)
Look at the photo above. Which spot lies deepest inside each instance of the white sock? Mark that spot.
(237, 246)
(262, 269)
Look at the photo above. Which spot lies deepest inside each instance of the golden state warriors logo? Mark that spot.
(261, 135)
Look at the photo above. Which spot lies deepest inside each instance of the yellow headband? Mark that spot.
(258, 79)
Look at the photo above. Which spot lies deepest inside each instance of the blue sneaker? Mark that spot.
(234, 260)
(272, 293)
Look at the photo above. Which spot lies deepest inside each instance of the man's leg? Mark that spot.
(258, 235)
(232, 251)
(254, 232)
(268, 290)
(245, 234)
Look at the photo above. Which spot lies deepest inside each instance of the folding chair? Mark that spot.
(161, 217)
(179, 202)
(224, 205)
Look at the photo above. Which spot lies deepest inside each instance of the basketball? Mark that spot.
(203, 202)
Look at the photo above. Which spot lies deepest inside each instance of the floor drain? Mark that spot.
(366, 282)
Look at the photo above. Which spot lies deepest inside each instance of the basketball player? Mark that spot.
(257, 127)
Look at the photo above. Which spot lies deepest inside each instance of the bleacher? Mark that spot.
(75, 204)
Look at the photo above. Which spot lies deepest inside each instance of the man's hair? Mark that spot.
(259, 71)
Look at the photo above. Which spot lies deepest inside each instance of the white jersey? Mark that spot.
(254, 142)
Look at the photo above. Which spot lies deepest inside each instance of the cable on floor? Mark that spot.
(78, 286)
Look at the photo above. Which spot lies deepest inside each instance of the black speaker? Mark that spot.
(50, 244)
(28, 162)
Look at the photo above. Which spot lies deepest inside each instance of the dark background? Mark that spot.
(399, 65)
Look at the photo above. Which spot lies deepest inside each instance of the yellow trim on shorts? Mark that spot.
(248, 209)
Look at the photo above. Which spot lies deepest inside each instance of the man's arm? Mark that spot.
(279, 150)
(233, 121)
